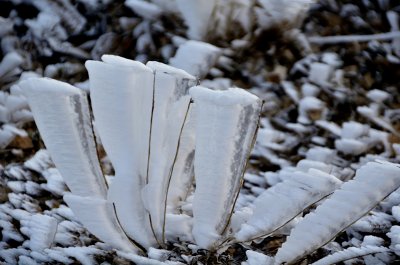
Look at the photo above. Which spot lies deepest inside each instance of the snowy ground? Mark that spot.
(328, 104)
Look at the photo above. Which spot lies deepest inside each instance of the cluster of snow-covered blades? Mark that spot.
(159, 130)
(179, 152)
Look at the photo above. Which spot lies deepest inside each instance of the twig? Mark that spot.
(354, 38)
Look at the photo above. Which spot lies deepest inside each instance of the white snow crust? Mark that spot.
(226, 123)
(122, 100)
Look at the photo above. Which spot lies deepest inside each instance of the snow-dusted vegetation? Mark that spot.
(199, 132)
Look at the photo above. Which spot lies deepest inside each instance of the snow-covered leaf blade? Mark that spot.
(65, 126)
(372, 183)
(294, 196)
(98, 216)
(226, 124)
(171, 105)
(350, 253)
(122, 99)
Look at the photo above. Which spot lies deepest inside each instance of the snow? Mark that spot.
(256, 258)
(226, 122)
(394, 235)
(320, 73)
(293, 195)
(350, 253)
(291, 91)
(350, 146)
(171, 105)
(42, 231)
(309, 90)
(182, 175)
(144, 9)
(321, 154)
(396, 212)
(196, 14)
(353, 130)
(10, 61)
(377, 95)
(309, 104)
(179, 227)
(373, 182)
(68, 136)
(143, 260)
(55, 183)
(122, 99)
(98, 216)
(202, 56)
(39, 162)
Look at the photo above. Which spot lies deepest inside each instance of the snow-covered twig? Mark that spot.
(353, 38)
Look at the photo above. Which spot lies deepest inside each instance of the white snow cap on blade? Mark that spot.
(372, 183)
(122, 99)
(232, 96)
(62, 115)
(144, 9)
(197, 15)
(196, 57)
(10, 61)
(226, 124)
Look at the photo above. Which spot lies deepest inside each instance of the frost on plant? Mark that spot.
(150, 126)
(179, 151)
